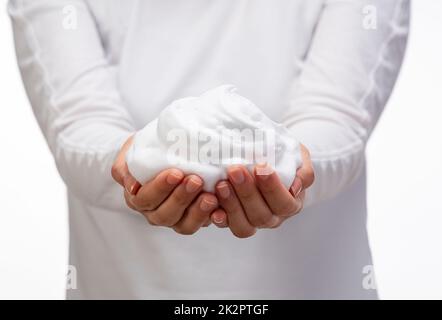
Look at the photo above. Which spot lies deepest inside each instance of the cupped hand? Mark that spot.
(259, 200)
(171, 199)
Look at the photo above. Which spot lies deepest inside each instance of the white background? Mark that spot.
(404, 163)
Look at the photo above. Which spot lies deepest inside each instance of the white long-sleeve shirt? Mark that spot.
(97, 71)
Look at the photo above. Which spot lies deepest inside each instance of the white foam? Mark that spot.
(205, 135)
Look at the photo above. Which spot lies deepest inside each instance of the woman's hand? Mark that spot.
(260, 200)
(171, 199)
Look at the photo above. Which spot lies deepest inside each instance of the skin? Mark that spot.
(254, 201)
(171, 199)
(244, 203)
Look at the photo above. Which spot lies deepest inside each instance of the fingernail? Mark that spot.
(296, 187)
(130, 189)
(174, 178)
(263, 171)
(218, 218)
(192, 185)
(224, 190)
(237, 175)
(130, 184)
(207, 205)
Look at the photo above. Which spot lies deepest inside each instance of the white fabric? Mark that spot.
(310, 63)
(205, 135)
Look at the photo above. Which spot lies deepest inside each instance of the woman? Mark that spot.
(98, 71)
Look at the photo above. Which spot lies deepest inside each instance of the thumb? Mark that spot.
(120, 171)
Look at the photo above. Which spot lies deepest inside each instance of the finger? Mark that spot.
(173, 208)
(120, 171)
(154, 192)
(296, 187)
(197, 214)
(278, 198)
(300, 202)
(127, 198)
(305, 173)
(219, 218)
(279, 223)
(131, 185)
(255, 207)
(236, 217)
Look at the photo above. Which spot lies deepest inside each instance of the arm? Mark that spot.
(346, 80)
(74, 94)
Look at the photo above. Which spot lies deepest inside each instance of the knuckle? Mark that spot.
(128, 201)
(149, 220)
(287, 208)
(144, 203)
(233, 208)
(246, 195)
(270, 188)
(180, 199)
(278, 224)
(261, 220)
(149, 206)
(162, 186)
(244, 233)
(129, 204)
(163, 220)
(201, 215)
(300, 207)
(184, 231)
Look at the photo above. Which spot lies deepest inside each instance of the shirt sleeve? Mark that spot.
(346, 79)
(74, 94)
